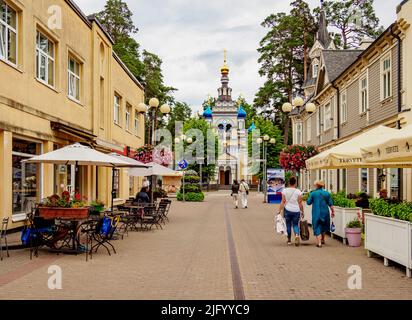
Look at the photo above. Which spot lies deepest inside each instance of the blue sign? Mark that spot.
(183, 164)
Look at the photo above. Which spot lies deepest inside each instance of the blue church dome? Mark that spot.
(208, 113)
(252, 127)
(242, 113)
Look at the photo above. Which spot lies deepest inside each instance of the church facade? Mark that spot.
(228, 119)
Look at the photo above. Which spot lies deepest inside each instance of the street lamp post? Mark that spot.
(265, 140)
(143, 109)
(298, 102)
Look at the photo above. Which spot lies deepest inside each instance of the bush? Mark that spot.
(191, 173)
(192, 179)
(341, 200)
(191, 188)
(400, 211)
(355, 224)
(191, 197)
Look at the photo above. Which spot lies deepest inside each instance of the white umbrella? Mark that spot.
(78, 155)
(154, 170)
(132, 162)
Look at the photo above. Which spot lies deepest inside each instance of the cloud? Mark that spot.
(190, 36)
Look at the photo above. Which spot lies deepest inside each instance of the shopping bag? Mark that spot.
(304, 230)
(280, 225)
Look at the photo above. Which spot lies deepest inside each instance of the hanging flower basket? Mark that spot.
(293, 158)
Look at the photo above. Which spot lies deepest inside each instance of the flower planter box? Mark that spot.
(342, 217)
(389, 238)
(64, 213)
(308, 213)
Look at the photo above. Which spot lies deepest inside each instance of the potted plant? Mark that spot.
(353, 233)
(345, 212)
(97, 207)
(64, 207)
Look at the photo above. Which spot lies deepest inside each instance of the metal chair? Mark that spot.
(3, 236)
(85, 236)
(102, 239)
(167, 203)
(152, 217)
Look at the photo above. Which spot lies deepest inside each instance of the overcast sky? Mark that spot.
(190, 36)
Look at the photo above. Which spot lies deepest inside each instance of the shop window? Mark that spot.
(116, 183)
(364, 180)
(394, 182)
(26, 176)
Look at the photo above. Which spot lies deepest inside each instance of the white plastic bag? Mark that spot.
(280, 225)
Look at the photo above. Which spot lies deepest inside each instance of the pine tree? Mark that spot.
(354, 20)
(282, 51)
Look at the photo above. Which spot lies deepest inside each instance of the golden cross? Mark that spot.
(225, 54)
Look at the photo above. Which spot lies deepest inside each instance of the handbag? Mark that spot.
(304, 230)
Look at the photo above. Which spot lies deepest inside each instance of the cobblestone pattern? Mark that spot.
(189, 259)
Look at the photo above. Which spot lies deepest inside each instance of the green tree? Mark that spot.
(153, 77)
(354, 20)
(282, 51)
(267, 127)
(181, 111)
(117, 20)
(208, 169)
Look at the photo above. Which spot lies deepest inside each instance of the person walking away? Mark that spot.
(292, 208)
(322, 210)
(235, 193)
(244, 192)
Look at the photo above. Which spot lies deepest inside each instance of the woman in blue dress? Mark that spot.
(321, 202)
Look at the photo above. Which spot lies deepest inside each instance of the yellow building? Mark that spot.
(60, 83)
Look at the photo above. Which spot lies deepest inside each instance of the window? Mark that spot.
(319, 122)
(363, 95)
(116, 111)
(343, 108)
(394, 183)
(343, 177)
(116, 183)
(299, 133)
(8, 33)
(327, 117)
(136, 123)
(26, 176)
(380, 179)
(386, 77)
(364, 180)
(44, 59)
(315, 70)
(128, 113)
(309, 129)
(74, 79)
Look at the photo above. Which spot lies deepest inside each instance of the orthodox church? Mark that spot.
(227, 117)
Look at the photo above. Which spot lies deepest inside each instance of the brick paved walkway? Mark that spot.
(194, 258)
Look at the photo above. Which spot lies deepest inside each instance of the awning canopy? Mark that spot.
(80, 155)
(154, 170)
(349, 154)
(394, 150)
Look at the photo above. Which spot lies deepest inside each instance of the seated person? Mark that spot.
(142, 196)
(363, 201)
